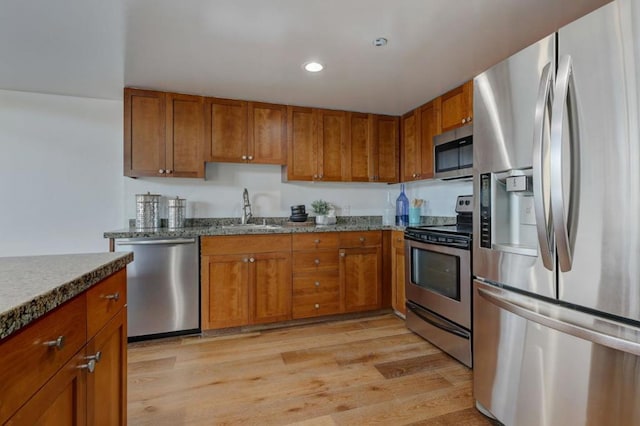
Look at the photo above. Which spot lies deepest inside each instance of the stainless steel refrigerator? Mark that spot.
(556, 257)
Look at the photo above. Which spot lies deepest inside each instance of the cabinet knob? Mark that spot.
(90, 366)
(317, 306)
(363, 239)
(320, 176)
(317, 261)
(342, 254)
(169, 171)
(244, 157)
(58, 343)
(245, 260)
(250, 157)
(464, 120)
(115, 296)
(251, 259)
(315, 176)
(316, 241)
(468, 119)
(161, 171)
(97, 357)
(317, 283)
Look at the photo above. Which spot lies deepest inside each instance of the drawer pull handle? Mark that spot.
(317, 261)
(317, 283)
(58, 343)
(317, 306)
(97, 357)
(362, 239)
(342, 254)
(115, 296)
(245, 260)
(90, 366)
(251, 259)
(316, 241)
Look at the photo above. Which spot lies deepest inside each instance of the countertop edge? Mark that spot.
(22, 315)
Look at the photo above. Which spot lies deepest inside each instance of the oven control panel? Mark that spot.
(444, 239)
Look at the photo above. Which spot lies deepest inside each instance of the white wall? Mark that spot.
(220, 195)
(60, 173)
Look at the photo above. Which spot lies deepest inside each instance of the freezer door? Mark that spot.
(529, 372)
(511, 129)
(597, 225)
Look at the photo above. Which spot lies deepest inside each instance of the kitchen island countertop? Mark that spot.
(31, 286)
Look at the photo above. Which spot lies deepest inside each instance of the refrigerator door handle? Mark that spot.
(569, 322)
(540, 199)
(564, 224)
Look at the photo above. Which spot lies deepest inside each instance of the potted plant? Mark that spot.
(321, 209)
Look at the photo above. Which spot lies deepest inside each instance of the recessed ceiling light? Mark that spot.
(313, 66)
(380, 41)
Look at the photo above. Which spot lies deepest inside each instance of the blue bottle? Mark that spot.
(402, 208)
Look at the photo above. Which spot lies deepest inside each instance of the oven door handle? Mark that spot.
(438, 322)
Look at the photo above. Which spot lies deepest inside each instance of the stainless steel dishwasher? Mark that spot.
(163, 287)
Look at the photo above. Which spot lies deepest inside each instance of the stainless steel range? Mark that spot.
(438, 282)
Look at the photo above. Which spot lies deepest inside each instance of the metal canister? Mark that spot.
(177, 208)
(147, 211)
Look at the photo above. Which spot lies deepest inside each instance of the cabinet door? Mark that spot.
(457, 107)
(360, 275)
(331, 144)
(271, 287)
(359, 148)
(61, 401)
(226, 130)
(302, 144)
(386, 163)
(411, 153)
(225, 294)
(429, 127)
(106, 386)
(185, 136)
(267, 134)
(144, 133)
(398, 272)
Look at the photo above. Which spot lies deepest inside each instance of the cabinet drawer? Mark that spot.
(319, 261)
(316, 284)
(360, 239)
(244, 244)
(105, 300)
(312, 305)
(315, 241)
(397, 239)
(30, 357)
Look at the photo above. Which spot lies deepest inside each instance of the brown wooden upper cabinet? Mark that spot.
(245, 132)
(418, 129)
(457, 107)
(163, 134)
(316, 144)
(372, 148)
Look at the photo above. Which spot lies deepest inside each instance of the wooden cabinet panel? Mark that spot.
(331, 152)
(302, 144)
(106, 386)
(398, 272)
(385, 156)
(227, 282)
(316, 295)
(315, 241)
(359, 146)
(360, 239)
(62, 401)
(144, 132)
(242, 244)
(226, 130)
(360, 272)
(32, 361)
(457, 107)
(315, 262)
(411, 153)
(429, 127)
(185, 135)
(105, 299)
(271, 295)
(267, 133)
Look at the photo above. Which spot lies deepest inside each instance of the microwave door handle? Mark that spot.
(564, 228)
(540, 200)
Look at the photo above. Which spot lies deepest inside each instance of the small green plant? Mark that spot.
(320, 207)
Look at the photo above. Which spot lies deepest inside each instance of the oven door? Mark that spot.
(438, 278)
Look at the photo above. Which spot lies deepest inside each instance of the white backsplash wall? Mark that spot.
(220, 195)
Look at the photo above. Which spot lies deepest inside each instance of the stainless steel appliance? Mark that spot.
(556, 252)
(438, 282)
(453, 153)
(163, 287)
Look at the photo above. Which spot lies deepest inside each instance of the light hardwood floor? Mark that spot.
(356, 372)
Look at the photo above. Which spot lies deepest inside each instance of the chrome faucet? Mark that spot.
(246, 208)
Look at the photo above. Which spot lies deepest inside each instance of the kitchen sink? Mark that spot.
(251, 226)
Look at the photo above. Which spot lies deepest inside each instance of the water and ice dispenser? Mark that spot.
(507, 214)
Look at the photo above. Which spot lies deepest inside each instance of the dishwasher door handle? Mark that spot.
(156, 242)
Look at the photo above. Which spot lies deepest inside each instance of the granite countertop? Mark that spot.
(31, 286)
(212, 227)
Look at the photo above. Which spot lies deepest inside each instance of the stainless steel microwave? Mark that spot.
(453, 153)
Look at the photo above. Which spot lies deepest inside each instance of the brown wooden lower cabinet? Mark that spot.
(47, 385)
(398, 272)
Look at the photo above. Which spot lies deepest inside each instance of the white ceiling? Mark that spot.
(254, 49)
